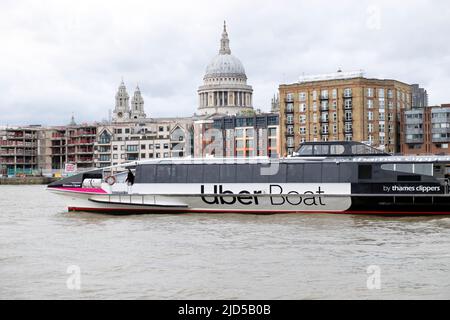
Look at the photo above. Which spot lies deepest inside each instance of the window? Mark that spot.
(320, 150)
(146, 173)
(347, 93)
(142, 146)
(330, 172)
(195, 173)
(163, 173)
(279, 176)
(211, 173)
(243, 173)
(228, 173)
(306, 150)
(105, 138)
(312, 172)
(302, 96)
(337, 149)
(179, 173)
(132, 148)
(365, 171)
(294, 172)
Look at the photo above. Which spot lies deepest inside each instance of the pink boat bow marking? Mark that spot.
(83, 190)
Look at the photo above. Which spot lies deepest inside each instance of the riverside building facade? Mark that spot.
(342, 106)
(426, 130)
(19, 150)
(240, 136)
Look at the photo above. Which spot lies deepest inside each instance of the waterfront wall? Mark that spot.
(26, 180)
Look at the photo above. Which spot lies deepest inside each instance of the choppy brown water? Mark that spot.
(215, 256)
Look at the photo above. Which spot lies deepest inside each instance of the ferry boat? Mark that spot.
(321, 177)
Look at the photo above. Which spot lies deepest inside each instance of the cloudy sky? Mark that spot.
(59, 57)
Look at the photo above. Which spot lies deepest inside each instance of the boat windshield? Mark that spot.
(337, 149)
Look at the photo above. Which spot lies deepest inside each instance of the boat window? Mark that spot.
(330, 172)
(211, 173)
(363, 149)
(312, 172)
(258, 175)
(163, 173)
(179, 173)
(416, 168)
(337, 149)
(321, 150)
(244, 173)
(365, 171)
(228, 173)
(346, 172)
(145, 173)
(279, 173)
(306, 150)
(294, 172)
(195, 173)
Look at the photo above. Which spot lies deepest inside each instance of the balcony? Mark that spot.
(289, 133)
(347, 95)
(436, 130)
(417, 131)
(442, 139)
(348, 130)
(348, 119)
(440, 120)
(289, 110)
(324, 120)
(289, 99)
(414, 140)
(324, 97)
(325, 108)
(413, 121)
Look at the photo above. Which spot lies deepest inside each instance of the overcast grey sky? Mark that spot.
(61, 56)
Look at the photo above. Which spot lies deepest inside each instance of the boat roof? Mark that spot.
(261, 160)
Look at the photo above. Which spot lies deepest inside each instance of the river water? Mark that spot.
(47, 253)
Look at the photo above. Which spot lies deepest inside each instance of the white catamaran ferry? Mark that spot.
(323, 177)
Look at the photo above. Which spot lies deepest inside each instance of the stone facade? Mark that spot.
(122, 111)
(150, 139)
(225, 89)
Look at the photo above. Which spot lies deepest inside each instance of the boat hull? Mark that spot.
(253, 199)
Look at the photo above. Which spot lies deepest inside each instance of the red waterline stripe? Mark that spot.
(254, 211)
